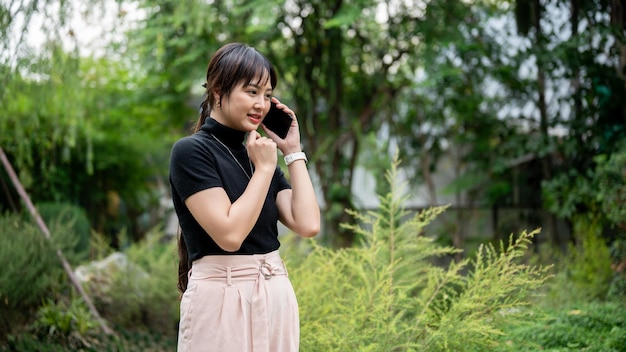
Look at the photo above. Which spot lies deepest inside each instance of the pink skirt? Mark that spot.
(239, 303)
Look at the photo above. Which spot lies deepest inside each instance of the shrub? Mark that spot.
(69, 324)
(74, 218)
(611, 175)
(595, 326)
(386, 295)
(581, 274)
(31, 269)
(136, 289)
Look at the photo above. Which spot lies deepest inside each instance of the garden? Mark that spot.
(469, 159)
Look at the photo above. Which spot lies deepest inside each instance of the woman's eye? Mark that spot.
(253, 92)
(268, 96)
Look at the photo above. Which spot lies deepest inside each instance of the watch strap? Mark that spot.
(290, 158)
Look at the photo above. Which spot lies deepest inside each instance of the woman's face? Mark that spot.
(246, 106)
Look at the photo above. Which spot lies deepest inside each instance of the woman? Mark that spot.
(228, 197)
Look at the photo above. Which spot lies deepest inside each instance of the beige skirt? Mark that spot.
(239, 303)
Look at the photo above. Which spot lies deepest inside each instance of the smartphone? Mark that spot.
(278, 121)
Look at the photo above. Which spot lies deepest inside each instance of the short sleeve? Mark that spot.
(192, 167)
(282, 182)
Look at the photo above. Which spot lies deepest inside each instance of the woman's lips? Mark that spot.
(255, 118)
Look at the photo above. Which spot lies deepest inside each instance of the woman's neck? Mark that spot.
(229, 136)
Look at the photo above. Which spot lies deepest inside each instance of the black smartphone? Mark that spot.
(278, 121)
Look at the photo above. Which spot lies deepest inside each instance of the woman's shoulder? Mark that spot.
(192, 144)
(191, 141)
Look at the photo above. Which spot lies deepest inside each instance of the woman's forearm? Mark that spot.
(304, 206)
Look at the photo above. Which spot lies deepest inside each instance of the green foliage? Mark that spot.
(611, 176)
(67, 324)
(566, 191)
(589, 264)
(386, 294)
(79, 136)
(601, 191)
(160, 261)
(70, 327)
(136, 295)
(596, 326)
(31, 269)
(75, 219)
(136, 289)
(583, 273)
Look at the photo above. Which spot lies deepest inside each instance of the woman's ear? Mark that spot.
(217, 98)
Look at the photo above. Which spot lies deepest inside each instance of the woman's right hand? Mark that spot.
(229, 223)
(262, 152)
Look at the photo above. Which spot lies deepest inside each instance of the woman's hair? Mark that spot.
(231, 65)
(183, 264)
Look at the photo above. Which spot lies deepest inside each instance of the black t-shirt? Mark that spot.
(200, 162)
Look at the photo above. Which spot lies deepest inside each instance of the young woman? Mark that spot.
(229, 193)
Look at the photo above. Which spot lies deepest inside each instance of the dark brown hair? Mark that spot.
(231, 65)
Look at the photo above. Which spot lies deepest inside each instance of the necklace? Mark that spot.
(233, 156)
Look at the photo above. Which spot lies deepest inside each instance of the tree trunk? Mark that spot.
(578, 106)
(618, 20)
(544, 124)
(458, 238)
(428, 177)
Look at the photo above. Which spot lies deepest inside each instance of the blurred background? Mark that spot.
(512, 113)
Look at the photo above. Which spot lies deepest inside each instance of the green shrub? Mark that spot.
(611, 175)
(68, 324)
(136, 289)
(595, 326)
(386, 295)
(602, 192)
(581, 274)
(31, 269)
(611, 192)
(75, 220)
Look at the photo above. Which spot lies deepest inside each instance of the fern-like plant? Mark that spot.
(385, 293)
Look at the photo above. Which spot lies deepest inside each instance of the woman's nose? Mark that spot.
(262, 103)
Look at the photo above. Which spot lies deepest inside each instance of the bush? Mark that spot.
(611, 176)
(136, 289)
(69, 324)
(31, 269)
(595, 326)
(75, 219)
(386, 295)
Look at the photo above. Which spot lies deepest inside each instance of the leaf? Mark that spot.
(346, 16)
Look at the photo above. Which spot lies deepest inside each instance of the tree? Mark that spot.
(365, 75)
(328, 55)
(77, 135)
(591, 59)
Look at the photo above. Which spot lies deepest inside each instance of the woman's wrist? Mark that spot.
(292, 157)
